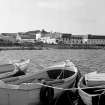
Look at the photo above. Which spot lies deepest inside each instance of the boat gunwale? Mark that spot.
(89, 87)
(17, 87)
(62, 68)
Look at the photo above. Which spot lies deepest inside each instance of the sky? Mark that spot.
(68, 16)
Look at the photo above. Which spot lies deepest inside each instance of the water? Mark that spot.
(85, 60)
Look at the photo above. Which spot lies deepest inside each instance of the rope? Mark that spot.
(60, 74)
(74, 88)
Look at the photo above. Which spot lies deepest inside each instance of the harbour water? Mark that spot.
(86, 60)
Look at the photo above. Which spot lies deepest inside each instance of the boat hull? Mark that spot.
(25, 90)
(22, 66)
(7, 74)
(19, 96)
(6, 68)
(10, 67)
(27, 94)
(90, 95)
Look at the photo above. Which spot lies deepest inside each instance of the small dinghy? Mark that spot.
(8, 67)
(19, 66)
(91, 88)
(41, 86)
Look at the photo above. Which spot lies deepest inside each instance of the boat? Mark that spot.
(6, 68)
(22, 64)
(42, 86)
(91, 88)
(10, 66)
(20, 68)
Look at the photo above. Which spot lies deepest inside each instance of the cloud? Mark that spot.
(51, 4)
(59, 4)
(59, 15)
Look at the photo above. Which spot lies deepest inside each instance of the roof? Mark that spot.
(72, 36)
(28, 36)
(96, 37)
(32, 32)
(64, 35)
(9, 34)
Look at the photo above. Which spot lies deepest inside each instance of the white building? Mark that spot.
(48, 40)
(38, 36)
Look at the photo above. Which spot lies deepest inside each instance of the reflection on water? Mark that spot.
(85, 60)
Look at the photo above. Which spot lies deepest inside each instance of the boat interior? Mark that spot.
(90, 90)
(59, 73)
(94, 91)
(48, 75)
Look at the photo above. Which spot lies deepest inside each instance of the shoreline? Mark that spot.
(45, 48)
(21, 48)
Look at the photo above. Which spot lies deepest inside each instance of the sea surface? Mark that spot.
(86, 60)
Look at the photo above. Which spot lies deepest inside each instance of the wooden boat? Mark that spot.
(91, 88)
(21, 64)
(6, 68)
(41, 86)
(20, 68)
